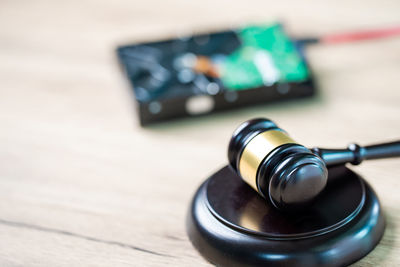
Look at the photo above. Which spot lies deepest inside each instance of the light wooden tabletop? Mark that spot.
(82, 184)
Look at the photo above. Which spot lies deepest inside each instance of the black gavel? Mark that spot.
(286, 173)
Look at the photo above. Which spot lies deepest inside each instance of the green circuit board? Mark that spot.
(266, 56)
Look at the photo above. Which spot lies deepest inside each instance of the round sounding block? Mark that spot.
(231, 225)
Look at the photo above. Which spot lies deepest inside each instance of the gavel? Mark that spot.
(286, 173)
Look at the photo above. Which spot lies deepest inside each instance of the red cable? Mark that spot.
(360, 35)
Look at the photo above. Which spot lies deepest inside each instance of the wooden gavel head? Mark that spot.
(287, 174)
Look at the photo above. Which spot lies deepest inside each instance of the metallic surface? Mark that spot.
(256, 150)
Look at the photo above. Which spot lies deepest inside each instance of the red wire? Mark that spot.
(360, 35)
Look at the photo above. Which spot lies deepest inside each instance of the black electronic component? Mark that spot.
(206, 73)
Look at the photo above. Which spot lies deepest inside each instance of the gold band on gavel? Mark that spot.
(256, 150)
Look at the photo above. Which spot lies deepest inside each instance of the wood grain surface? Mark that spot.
(81, 184)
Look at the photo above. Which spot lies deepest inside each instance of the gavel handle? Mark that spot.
(355, 154)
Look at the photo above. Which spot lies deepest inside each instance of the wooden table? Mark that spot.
(82, 184)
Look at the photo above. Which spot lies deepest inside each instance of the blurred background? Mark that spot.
(81, 182)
